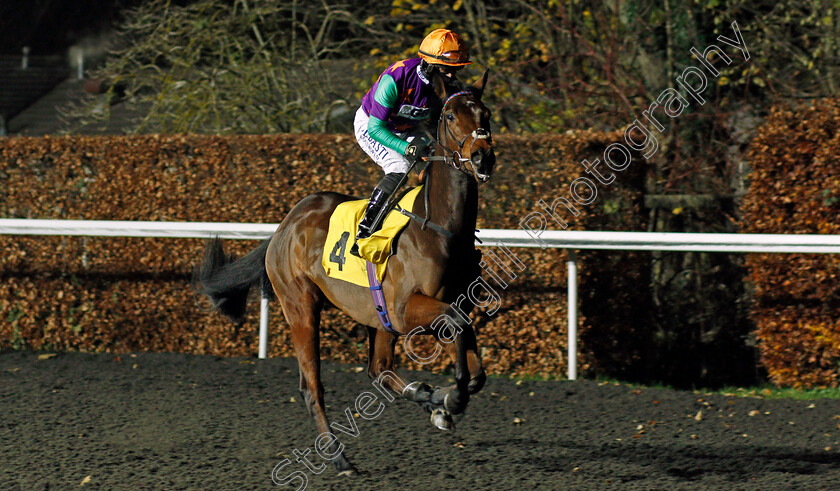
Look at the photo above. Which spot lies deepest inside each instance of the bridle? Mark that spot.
(455, 158)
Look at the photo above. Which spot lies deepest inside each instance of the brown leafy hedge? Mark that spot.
(127, 294)
(795, 188)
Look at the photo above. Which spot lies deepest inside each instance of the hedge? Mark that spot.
(118, 295)
(795, 188)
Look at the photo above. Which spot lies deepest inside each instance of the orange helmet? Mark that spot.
(444, 47)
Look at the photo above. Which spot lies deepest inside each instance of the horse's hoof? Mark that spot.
(442, 420)
(344, 467)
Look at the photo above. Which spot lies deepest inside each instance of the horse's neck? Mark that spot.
(453, 199)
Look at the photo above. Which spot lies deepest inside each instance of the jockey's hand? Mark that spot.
(419, 147)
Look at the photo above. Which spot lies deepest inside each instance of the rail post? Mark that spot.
(263, 353)
(572, 295)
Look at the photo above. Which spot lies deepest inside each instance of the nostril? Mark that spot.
(490, 159)
(476, 157)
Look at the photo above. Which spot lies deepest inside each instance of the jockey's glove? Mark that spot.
(419, 147)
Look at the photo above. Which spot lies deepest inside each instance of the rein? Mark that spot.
(424, 221)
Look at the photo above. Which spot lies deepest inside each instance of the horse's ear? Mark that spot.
(481, 83)
(439, 85)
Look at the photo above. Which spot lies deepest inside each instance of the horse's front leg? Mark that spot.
(465, 345)
(380, 368)
(452, 329)
(469, 374)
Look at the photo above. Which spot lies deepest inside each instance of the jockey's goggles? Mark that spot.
(461, 57)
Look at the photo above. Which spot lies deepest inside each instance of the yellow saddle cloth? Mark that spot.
(344, 222)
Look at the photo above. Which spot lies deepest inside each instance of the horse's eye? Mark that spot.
(450, 117)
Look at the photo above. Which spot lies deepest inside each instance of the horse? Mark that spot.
(430, 269)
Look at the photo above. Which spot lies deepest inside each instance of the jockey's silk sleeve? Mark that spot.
(386, 95)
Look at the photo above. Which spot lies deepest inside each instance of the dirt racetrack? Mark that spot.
(171, 421)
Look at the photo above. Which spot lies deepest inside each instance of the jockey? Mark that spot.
(389, 123)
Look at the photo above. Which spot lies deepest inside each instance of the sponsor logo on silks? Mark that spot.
(412, 112)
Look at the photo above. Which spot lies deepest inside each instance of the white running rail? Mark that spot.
(570, 240)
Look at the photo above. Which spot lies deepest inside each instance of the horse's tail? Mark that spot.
(227, 280)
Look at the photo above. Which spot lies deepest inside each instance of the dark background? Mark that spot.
(50, 26)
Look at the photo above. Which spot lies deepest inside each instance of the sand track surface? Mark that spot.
(172, 421)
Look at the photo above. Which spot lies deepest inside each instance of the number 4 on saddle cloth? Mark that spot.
(337, 260)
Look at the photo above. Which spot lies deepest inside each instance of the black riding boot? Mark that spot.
(377, 201)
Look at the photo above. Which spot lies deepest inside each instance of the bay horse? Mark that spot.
(428, 272)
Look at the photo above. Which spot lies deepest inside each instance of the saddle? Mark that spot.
(376, 249)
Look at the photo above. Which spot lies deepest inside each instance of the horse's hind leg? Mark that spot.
(302, 308)
(381, 356)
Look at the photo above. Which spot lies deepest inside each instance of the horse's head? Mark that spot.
(464, 129)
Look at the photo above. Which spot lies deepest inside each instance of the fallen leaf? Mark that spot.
(85, 481)
(46, 356)
(699, 416)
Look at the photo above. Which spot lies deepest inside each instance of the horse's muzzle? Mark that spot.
(483, 162)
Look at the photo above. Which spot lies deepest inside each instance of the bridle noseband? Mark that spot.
(455, 158)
